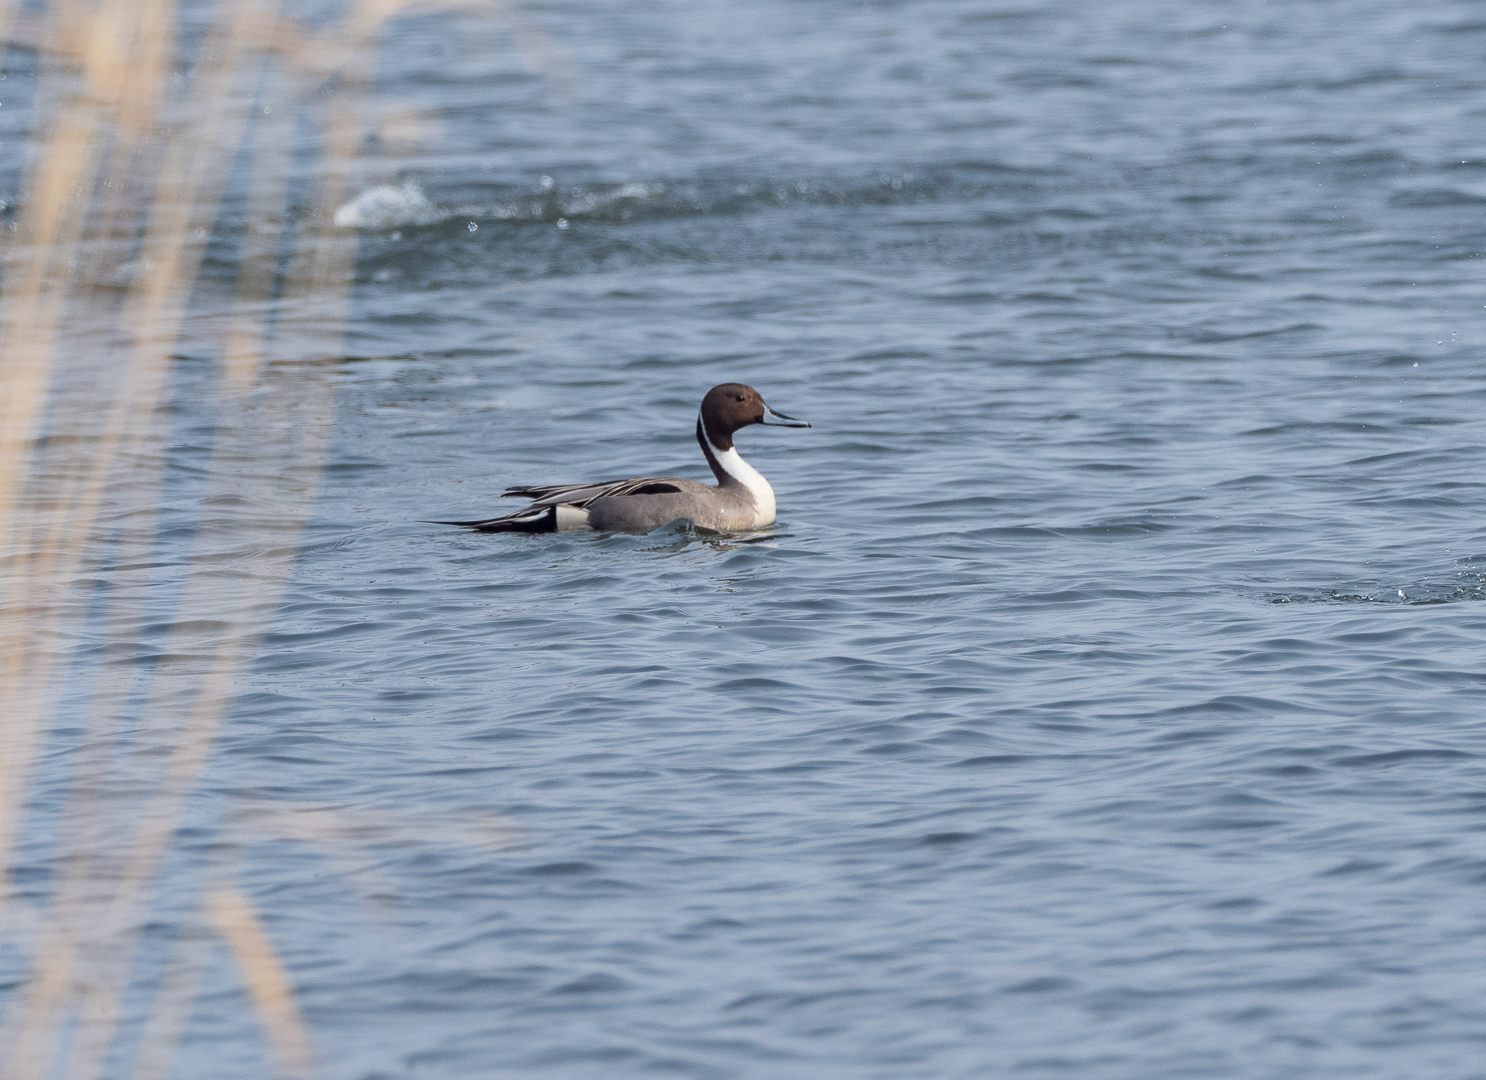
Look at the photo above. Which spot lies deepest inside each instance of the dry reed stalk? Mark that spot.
(42, 257)
(138, 108)
(56, 548)
(186, 200)
(184, 207)
(265, 977)
(37, 258)
(302, 443)
(268, 455)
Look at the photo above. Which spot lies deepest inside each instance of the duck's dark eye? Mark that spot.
(738, 397)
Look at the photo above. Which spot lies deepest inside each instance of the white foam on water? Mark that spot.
(387, 205)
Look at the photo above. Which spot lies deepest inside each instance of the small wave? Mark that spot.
(1424, 198)
(1408, 594)
(392, 206)
(1398, 757)
(386, 206)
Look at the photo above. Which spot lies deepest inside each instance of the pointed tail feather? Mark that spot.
(552, 500)
(543, 519)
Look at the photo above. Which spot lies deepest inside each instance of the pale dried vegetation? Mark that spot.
(138, 125)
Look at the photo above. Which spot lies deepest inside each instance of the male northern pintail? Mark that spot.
(742, 498)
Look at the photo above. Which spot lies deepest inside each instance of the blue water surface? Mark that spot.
(1106, 701)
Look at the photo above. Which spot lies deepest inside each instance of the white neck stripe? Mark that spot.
(732, 463)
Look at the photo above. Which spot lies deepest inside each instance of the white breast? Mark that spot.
(763, 495)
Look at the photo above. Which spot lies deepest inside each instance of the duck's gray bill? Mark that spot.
(780, 420)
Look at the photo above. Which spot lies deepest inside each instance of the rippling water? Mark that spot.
(1107, 699)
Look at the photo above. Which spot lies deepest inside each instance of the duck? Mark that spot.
(741, 500)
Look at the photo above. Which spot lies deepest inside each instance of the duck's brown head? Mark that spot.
(731, 406)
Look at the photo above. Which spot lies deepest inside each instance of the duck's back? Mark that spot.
(724, 509)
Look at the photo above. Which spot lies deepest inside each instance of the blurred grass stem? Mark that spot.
(127, 179)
